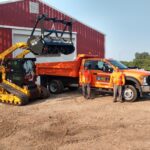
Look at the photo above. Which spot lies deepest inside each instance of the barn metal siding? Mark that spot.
(5, 38)
(89, 41)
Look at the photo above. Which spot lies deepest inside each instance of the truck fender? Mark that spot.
(129, 78)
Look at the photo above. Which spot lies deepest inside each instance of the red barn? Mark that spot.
(18, 18)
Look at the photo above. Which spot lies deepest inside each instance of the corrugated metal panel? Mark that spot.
(5, 38)
(88, 40)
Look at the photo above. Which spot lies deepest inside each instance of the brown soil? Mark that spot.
(69, 122)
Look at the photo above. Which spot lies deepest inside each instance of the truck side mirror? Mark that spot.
(110, 70)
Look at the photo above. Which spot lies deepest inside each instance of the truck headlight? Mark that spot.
(145, 81)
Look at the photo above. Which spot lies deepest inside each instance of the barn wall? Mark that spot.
(5, 38)
(89, 41)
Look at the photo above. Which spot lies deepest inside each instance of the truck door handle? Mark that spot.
(94, 73)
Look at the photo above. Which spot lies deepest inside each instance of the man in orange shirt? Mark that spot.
(117, 79)
(85, 80)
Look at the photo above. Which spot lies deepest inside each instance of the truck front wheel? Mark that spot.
(130, 93)
(55, 86)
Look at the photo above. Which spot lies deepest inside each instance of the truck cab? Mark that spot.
(137, 81)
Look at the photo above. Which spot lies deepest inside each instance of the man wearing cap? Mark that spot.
(117, 80)
(85, 80)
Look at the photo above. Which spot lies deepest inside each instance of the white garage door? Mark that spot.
(22, 36)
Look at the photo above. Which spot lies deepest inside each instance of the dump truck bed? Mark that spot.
(65, 69)
(70, 68)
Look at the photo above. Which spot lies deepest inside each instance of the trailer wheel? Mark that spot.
(130, 93)
(56, 86)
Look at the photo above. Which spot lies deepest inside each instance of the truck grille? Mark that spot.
(148, 80)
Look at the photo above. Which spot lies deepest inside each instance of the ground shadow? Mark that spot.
(68, 94)
(144, 98)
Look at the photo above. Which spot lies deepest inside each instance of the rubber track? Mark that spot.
(16, 92)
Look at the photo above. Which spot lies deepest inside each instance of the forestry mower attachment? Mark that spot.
(51, 41)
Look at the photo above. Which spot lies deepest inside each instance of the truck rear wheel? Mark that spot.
(130, 93)
(44, 92)
(56, 86)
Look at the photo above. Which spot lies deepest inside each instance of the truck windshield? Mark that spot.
(118, 64)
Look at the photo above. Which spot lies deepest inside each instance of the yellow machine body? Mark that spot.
(12, 93)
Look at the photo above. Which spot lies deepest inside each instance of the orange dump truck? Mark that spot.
(58, 75)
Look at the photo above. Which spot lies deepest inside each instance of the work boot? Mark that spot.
(87, 97)
(114, 100)
(84, 95)
(121, 101)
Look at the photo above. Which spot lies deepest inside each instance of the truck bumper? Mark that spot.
(145, 89)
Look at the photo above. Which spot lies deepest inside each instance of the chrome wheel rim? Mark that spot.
(128, 94)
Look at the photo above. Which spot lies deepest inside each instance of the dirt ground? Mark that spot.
(68, 122)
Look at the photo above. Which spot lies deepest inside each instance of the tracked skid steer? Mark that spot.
(18, 75)
(18, 78)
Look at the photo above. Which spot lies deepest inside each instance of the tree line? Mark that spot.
(141, 60)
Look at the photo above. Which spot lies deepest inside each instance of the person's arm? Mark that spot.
(111, 80)
(90, 76)
(80, 77)
(123, 79)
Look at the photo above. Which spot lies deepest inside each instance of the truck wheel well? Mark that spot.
(134, 82)
(129, 82)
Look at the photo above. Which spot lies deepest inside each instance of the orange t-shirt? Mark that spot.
(117, 78)
(86, 76)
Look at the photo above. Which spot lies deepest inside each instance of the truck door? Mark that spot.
(101, 72)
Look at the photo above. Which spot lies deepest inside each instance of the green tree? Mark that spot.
(141, 60)
(143, 55)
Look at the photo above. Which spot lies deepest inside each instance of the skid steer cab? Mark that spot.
(137, 81)
(21, 71)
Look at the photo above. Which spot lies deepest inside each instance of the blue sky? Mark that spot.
(126, 23)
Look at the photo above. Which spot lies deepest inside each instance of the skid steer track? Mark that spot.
(23, 98)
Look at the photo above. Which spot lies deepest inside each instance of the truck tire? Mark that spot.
(130, 93)
(44, 93)
(55, 86)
